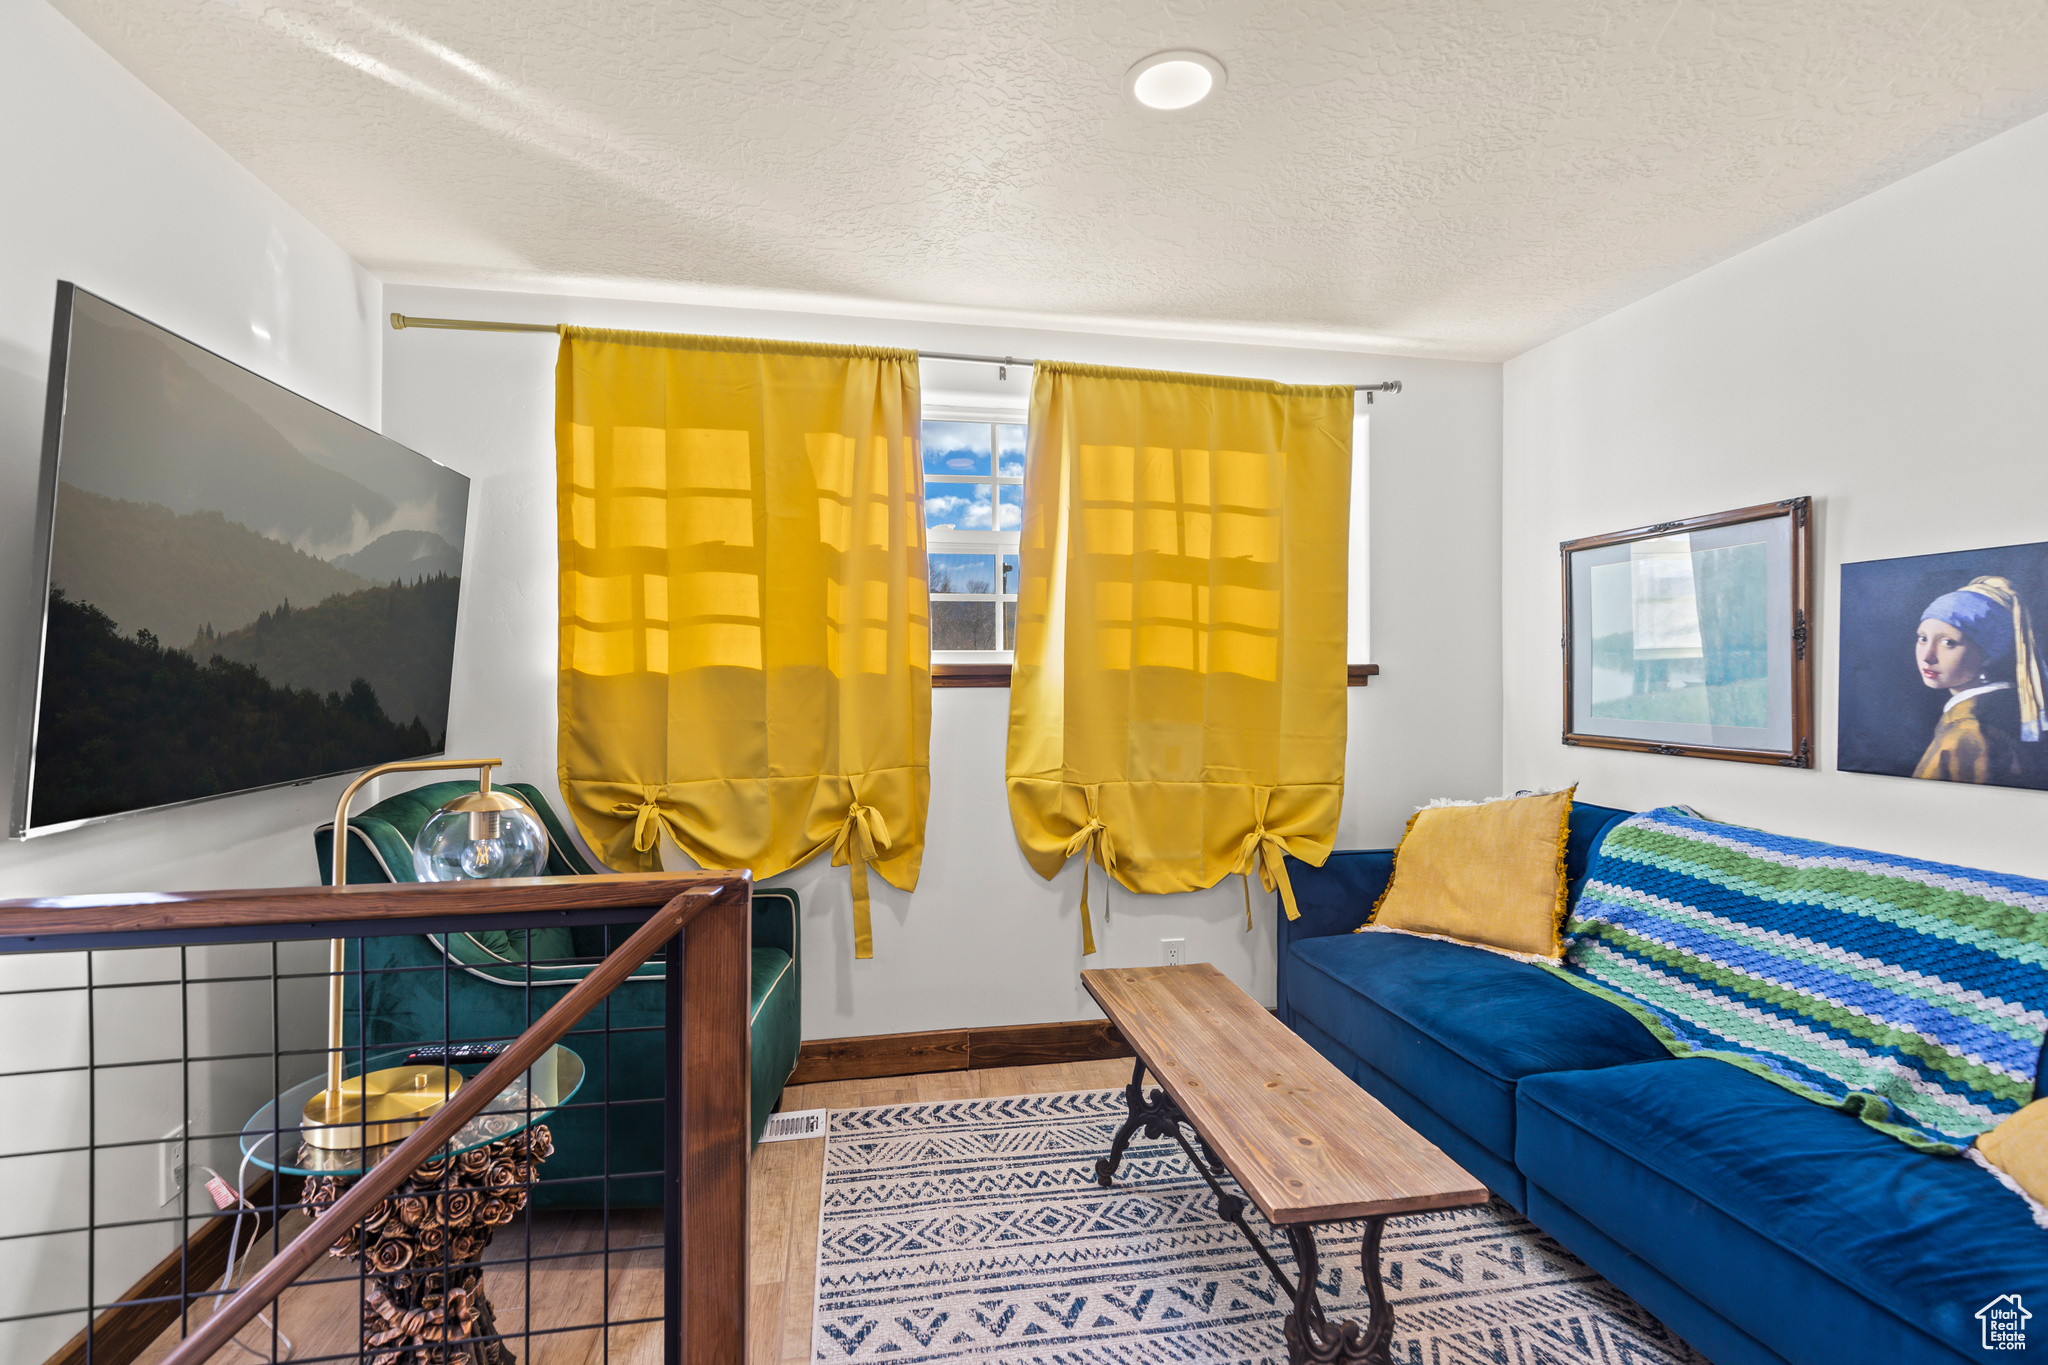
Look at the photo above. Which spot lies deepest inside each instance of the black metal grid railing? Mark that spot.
(139, 1054)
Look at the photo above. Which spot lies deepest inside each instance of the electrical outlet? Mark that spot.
(1172, 951)
(171, 1169)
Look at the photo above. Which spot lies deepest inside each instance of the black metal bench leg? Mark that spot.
(1380, 1327)
(1158, 1116)
(1134, 1100)
(1312, 1339)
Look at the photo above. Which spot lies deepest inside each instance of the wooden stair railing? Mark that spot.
(708, 918)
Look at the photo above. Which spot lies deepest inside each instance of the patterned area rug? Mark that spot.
(974, 1230)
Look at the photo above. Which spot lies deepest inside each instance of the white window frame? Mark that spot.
(995, 543)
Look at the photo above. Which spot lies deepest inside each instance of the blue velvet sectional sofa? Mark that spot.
(1761, 1227)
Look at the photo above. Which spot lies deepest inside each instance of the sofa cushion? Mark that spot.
(1584, 832)
(1458, 1026)
(1800, 1225)
(500, 958)
(555, 946)
(1490, 874)
(2018, 1147)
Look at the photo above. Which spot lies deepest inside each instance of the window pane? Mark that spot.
(957, 506)
(955, 448)
(963, 625)
(1011, 507)
(963, 573)
(1010, 451)
(1009, 625)
(1010, 574)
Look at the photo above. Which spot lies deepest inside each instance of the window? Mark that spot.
(973, 516)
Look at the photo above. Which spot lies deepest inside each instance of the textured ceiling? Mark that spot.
(1449, 177)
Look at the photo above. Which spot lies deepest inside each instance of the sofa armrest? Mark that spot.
(1333, 899)
(775, 919)
(777, 912)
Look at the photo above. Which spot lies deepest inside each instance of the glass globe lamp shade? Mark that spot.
(480, 835)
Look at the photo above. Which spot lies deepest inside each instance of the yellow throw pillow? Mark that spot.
(2017, 1152)
(1491, 875)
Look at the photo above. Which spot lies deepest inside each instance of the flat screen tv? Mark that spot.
(237, 588)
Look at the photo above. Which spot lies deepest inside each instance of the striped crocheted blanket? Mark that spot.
(1911, 994)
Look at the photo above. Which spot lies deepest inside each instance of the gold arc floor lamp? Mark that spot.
(383, 1106)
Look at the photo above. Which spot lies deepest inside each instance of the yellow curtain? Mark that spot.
(1177, 700)
(745, 650)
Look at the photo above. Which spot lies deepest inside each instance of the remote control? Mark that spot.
(458, 1054)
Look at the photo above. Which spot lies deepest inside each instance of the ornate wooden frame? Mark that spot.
(1800, 513)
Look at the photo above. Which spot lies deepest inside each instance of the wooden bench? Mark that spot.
(1301, 1140)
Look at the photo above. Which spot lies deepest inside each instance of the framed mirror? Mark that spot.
(1691, 637)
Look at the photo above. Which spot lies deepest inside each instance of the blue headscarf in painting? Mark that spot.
(1986, 622)
(1988, 609)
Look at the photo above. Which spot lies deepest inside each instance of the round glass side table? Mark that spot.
(422, 1246)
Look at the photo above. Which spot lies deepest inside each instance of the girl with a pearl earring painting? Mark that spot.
(1977, 643)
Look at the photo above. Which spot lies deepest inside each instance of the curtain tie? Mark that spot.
(862, 836)
(1093, 843)
(1263, 851)
(646, 816)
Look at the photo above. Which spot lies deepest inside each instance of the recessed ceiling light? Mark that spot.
(1174, 80)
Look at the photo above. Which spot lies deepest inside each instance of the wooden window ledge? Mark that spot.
(998, 675)
(970, 675)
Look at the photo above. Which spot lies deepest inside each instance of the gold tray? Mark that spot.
(400, 1099)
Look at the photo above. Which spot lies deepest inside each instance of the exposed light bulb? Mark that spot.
(483, 857)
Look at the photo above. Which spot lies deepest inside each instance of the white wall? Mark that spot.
(109, 188)
(1890, 359)
(983, 940)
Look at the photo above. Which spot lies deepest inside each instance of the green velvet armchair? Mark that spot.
(490, 998)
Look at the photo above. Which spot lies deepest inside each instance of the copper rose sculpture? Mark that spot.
(459, 1206)
(421, 1247)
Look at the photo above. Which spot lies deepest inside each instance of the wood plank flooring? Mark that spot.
(578, 1281)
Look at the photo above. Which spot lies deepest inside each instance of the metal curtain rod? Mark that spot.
(399, 322)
